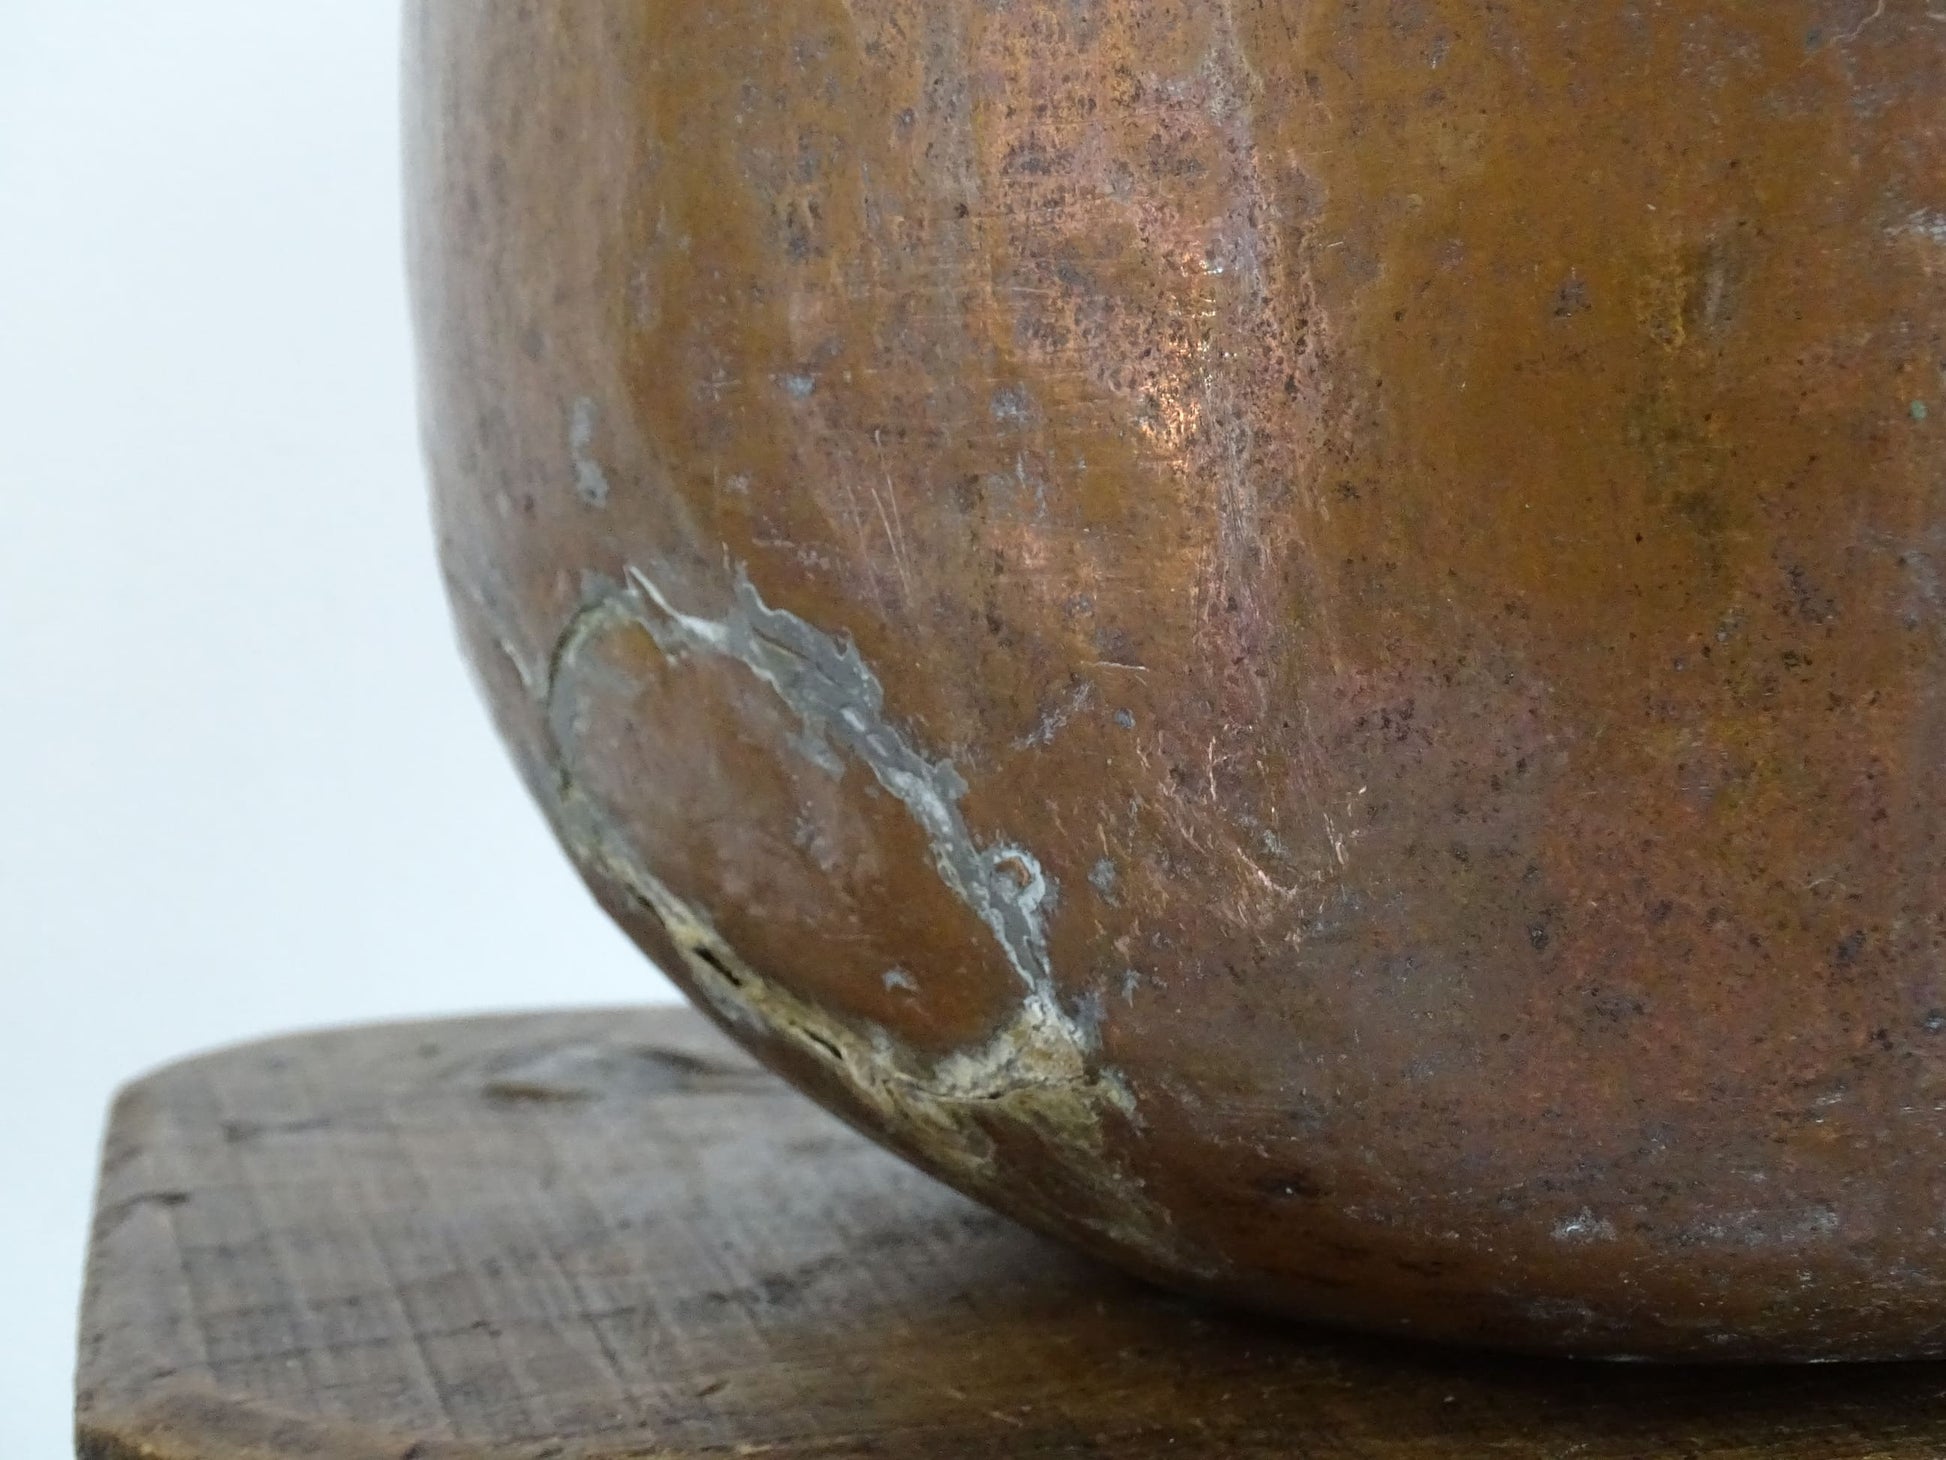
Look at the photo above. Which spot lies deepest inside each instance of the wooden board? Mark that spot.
(587, 1235)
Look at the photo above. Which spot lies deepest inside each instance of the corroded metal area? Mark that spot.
(1304, 642)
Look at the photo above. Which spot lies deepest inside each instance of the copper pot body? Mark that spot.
(1304, 642)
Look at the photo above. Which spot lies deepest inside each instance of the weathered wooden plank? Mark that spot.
(572, 1236)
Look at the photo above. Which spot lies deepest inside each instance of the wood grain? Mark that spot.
(571, 1236)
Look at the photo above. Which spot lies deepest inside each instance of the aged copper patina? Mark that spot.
(1302, 641)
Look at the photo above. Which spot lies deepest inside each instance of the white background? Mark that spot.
(244, 783)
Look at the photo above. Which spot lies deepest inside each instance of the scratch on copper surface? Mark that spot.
(894, 528)
(1057, 719)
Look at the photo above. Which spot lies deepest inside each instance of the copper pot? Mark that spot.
(1302, 642)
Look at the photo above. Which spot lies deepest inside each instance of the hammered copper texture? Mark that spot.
(1300, 641)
